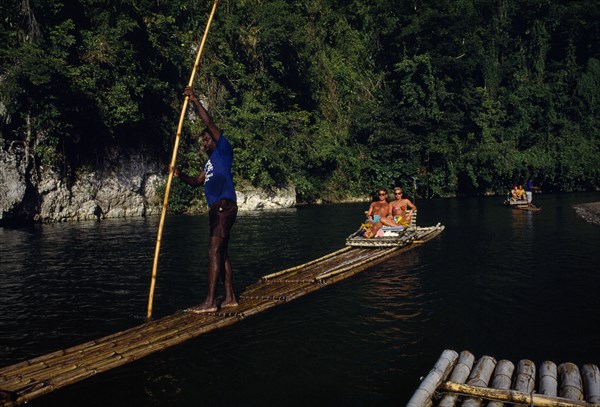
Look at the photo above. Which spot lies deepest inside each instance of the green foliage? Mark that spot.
(334, 97)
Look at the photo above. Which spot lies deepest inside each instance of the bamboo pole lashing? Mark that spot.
(173, 162)
(293, 281)
(525, 376)
(548, 379)
(266, 297)
(512, 396)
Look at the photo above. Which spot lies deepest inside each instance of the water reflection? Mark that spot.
(508, 283)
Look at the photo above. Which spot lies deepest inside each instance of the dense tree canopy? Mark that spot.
(335, 97)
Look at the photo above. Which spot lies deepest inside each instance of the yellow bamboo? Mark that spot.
(513, 396)
(173, 161)
(341, 270)
(279, 273)
(82, 351)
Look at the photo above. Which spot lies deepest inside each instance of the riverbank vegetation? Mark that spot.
(335, 97)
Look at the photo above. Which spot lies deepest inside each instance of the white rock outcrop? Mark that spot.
(123, 185)
(12, 182)
(253, 199)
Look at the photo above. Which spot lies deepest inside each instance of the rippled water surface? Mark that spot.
(501, 282)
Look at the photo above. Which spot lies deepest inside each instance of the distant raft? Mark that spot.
(521, 205)
(460, 380)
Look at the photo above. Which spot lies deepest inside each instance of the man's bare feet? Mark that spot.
(202, 309)
(229, 304)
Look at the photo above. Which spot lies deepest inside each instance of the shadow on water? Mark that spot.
(506, 283)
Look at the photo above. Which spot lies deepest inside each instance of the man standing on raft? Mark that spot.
(220, 195)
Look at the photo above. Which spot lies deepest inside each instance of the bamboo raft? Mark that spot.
(522, 205)
(459, 380)
(27, 380)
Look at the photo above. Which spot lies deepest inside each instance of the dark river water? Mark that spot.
(497, 282)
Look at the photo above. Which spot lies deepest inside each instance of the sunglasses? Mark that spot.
(397, 193)
(382, 194)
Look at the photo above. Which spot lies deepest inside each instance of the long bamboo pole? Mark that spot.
(173, 160)
(513, 396)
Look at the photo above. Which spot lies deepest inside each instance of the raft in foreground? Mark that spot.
(27, 380)
(459, 380)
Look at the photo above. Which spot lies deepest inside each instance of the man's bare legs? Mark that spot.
(229, 300)
(218, 266)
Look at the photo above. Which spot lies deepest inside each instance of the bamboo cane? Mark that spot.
(436, 376)
(270, 276)
(591, 382)
(571, 386)
(548, 379)
(480, 377)
(513, 396)
(459, 374)
(173, 160)
(502, 379)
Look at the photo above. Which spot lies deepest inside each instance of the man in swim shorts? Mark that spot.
(220, 195)
(379, 208)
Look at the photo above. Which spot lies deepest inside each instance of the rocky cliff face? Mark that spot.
(253, 199)
(125, 184)
(12, 182)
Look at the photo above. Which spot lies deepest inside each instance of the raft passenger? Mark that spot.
(379, 208)
(399, 213)
(514, 194)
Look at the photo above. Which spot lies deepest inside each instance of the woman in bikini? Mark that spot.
(397, 214)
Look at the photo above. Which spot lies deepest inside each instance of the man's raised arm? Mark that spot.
(201, 111)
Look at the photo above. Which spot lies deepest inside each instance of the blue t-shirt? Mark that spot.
(218, 183)
(529, 186)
